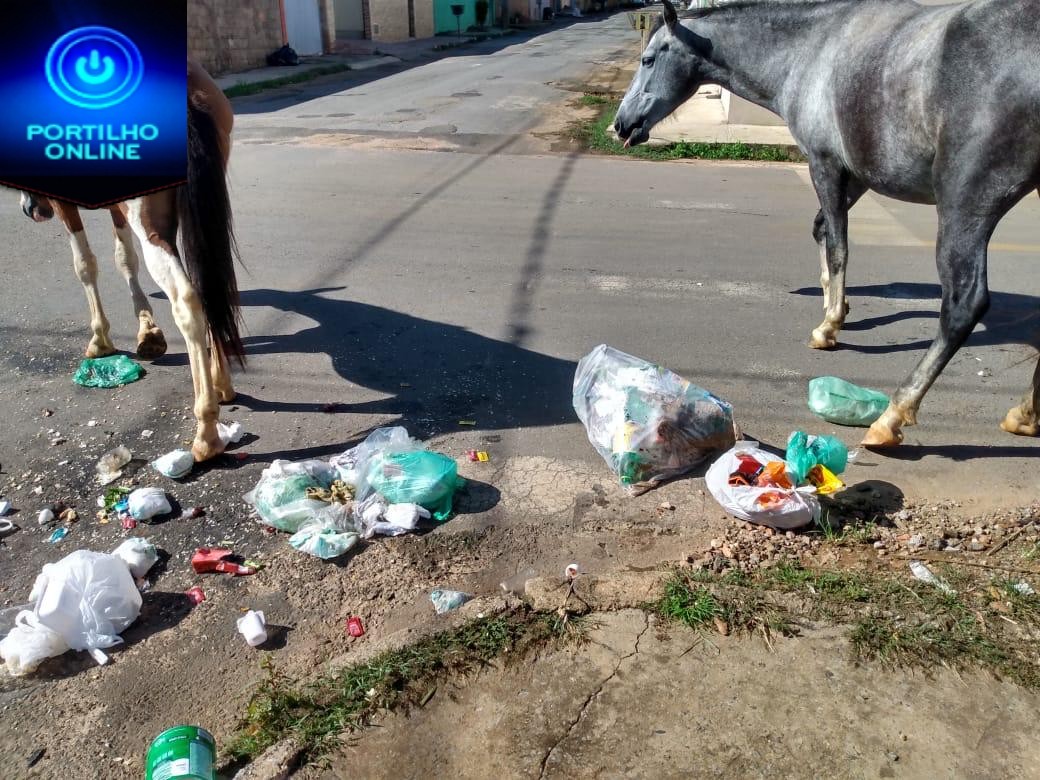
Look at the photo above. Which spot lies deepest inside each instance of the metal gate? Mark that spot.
(303, 26)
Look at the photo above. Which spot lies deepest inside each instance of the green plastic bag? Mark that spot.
(803, 453)
(844, 403)
(112, 371)
(428, 479)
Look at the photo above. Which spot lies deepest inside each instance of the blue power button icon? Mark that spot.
(94, 67)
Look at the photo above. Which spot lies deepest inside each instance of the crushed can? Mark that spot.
(355, 628)
(182, 753)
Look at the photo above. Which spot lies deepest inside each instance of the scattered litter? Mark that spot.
(804, 452)
(253, 627)
(280, 497)
(478, 456)
(195, 595)
(924, 574)
(181, 752)
(128, 523)
(138, 554)
(109, 466)
(751, 484)
(45, 516)
(34, 758)
(47, 412)
(397, 467)
(214, 559)
(648, 423)
(82, 602)
(68, 516)
(230, 433)
(447, 600)
(985, 372)
(112, 371)
(5, 507)
(58, 535)
(355, 627)
(668, 506)
(468, 422)
(7, 528)
(147, 433)
(824, 480)
(193, 513)
(148, 502)
(174, 464)
(376, 517)
(1023, 588)
(91, 423)
(844, 403)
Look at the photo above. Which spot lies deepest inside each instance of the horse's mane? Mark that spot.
(744, 5)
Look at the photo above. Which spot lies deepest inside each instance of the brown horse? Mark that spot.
(200, 282)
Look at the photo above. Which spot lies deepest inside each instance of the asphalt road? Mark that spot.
(429, 287)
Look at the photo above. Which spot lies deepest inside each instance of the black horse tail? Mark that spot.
(208, 245)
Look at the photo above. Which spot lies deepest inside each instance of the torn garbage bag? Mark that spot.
(770, 501)
(280, 497)
(844, 403)
(391, 464)
(328, 534)
(86, 599)
(648, 423)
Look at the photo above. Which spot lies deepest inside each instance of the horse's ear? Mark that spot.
(671, 18)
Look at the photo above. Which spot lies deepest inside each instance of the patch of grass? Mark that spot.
(593, 100)
(317, 713)
(243, 90)
(892, 619)
(595, 135)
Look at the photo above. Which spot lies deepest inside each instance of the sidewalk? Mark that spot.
(702, 118)
(417, 47)
(259, 75)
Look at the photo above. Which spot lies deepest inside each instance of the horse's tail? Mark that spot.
(208, 243)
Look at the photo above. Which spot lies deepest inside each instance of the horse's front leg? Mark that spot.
(151, 343)
(1024, 419)
(84, 262)
(854, 191)
(154, 220)
(961, 258)
(836, 192)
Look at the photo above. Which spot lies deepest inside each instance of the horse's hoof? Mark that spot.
(204, 450)
(1019, 424)
(822, 340)
(151, 344)
(98, 348)
(880, 436)
(226, 394)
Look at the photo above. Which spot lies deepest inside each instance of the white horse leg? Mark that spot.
(153, 219)
(151, 343)
(85, 264)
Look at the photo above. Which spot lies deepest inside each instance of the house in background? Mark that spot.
(232, 35)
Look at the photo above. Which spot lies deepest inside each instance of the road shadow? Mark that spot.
(432, 374)
(1013, 318)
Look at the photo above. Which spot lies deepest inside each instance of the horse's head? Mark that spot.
(36, 207)
(671, 70)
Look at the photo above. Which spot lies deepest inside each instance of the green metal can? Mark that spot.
(181, 753)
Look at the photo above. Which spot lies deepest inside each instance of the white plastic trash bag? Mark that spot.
(148, 502)
(776, 507)
(87, 599)
(280, 497)
(648, 423)
(138, 554)
(29, 644)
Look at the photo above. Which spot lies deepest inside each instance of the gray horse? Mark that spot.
(925, 104)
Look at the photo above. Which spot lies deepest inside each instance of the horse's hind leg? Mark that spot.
(837, 192)
(1024, 419)
(84, 262)
(154, 220)
(964, 232)
(151, 343)
(220, 372)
